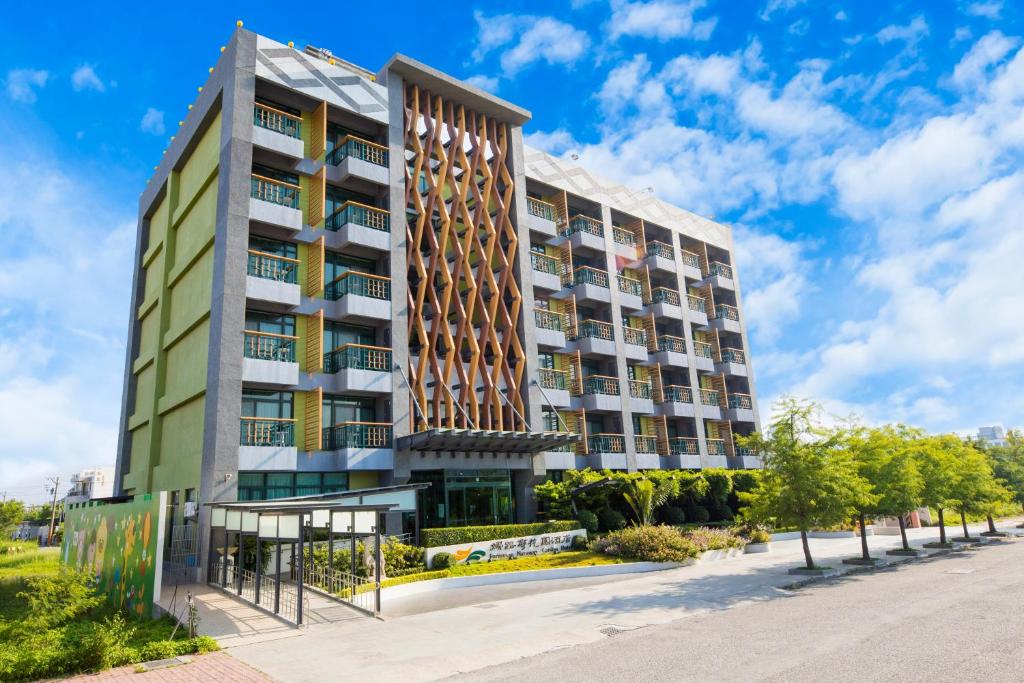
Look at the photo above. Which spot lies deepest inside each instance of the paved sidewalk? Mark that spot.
(215, 666)
(437, 644)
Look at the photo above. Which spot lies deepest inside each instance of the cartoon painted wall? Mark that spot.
(122, 545)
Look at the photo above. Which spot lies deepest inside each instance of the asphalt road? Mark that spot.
(955, 617)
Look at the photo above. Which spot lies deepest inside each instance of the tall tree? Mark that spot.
(934, 458)
(1008, 464)
(976, 489)
(12, 512)
(808, 480)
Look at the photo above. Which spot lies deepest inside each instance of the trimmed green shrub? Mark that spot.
(400, 559)
(442, 561)
(587, 520)
(647, 543)
(720, 510)
(672, 515)
(698, 514)
(432, 538)
(610, 520)
(578, 543)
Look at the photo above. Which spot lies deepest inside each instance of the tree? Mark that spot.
(12, 512)
(809, 480)
(1008, 465)
(976, 489)
(933, 456)
(644, 496)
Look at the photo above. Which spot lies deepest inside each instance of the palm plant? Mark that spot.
(645, 496)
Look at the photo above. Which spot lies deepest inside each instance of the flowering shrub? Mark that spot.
(648, 543)
(705, 538)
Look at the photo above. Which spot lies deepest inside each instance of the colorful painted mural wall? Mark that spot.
(122, 545)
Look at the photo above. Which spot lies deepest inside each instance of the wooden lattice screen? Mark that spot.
(312, 437)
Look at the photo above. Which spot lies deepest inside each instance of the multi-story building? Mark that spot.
(346, 279)
(91, 484)
(993, 436)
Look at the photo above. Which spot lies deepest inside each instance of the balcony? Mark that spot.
(631, 292)
(360, 445)
(671, 351)
(636, 343)
(678, 402)
(272, 278)
(585, 232)
(661, 256)
(555, 384)
(607, 450)
(601, 393)
(358, 368)
(546, 271)
(362, 225)
(358, 295)
(595, 337)
(645, 443)
(551, 328)
(720, 275)
(705, 356)
(716, 446)
(277, 131)
(275, 202)
(541, 217)
(734, 362)
(746, 459)
(691, 265)
(624, 243)
(269, 359)
(267, 443)
(640, 397)
(687, 450)
(355, 157)
(726, 318)
(665, 303)
(741, 408)
(710, 406)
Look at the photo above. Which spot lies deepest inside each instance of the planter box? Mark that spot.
(967, 539)
(861, 562)
(903, 552)
(715, 555)
(752, 548)
(994, 534)
(832, 534)
(939, 546)
(817, 571)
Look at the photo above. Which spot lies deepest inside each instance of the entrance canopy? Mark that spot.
(485, 440)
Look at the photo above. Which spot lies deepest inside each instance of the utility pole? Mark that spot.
(53, 509)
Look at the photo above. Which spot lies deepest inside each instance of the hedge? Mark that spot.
(432, 538)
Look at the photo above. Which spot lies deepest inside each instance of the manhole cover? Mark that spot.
(960, 571)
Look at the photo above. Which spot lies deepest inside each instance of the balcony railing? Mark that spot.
(709, 397)
(269, 346)
(734, 356)
(664, 295)
(683, 445)
(600, 384)
(359, 284)
(743, 452)
(585, 275)
(696, 303)
(639, 389)
(607, 443)
(719, 268)
(553, 379)
(677, 393)
(267, 431)
(628, 285)
(669, 343)
(635, 336)
(656, 248)
(581, 223)
(741, 401)
(357, 148)
(716, 446)
(549, 320)
(273, 267)
(645, 443)
(622, 236)
(275, 191)
(276, 120)
(595, 329)
(544, 263)
(703, 349)
(691, 259)
(541, 209)
(358, 357)
(357, 435)
(727, 312)
(359, 214)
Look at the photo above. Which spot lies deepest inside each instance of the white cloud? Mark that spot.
(911, 33)
(22, 84)
(660, 19)
(714, 74)
(529, 39)
(152, 122)
(85, 78)
(774, 276)
(841, 16)
(989, 10)
(556, 142)
(774, 6)
(988, 51)
(488, 83)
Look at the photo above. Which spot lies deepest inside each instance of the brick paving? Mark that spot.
(215, 666)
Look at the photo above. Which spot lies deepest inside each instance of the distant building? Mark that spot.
(91, 484)
(31, 531)
(993, 436)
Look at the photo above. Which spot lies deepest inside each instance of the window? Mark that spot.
(279, 107)
(338, 334)
(551, 423)
(539, 248)
(336, 196)
(275, 404)
(546, 360)
(273, 323)
(275, 247)
(271, 485)
(274, 174)
(541, 304)
(336, 133)
(338, 409)
(335, 264)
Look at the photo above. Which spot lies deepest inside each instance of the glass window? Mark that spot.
(546, 360)
(275, 247)
(336, 133)
(338, 409)
(335, 264)
(275, 174)
(273, 323)
(336, 196)
(338, 334)
(551, 423)
(272, 485)
(278, 106)
(257, 403)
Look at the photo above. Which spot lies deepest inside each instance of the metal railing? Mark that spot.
(741, 401)
(664, 295)
(269, 346)
(601, 384)
(595, 329)
(683, 445)
(709, 397)
(656, 248)
(541, 209)
(585, 275)
(357, 591)
(581, 223)
(553, 379)
(734, 356)
(606, 443)
(716, 446)
(645, 443)
(667, 342)
(357, 357)
(696, 303)
(549, 320)
(629, 285)
(359, 214)
(727, 312)
(639, 388)
(357, 435)
(275, 191)
(677, 393)
(719, 268)
(703, 349)
(273, 267)
(544, 263)
(691, 259)
(358, 284)
(277, 120)
(267, 431)
(357, 148)
(622, 236)
(743, 452)
(635, 336)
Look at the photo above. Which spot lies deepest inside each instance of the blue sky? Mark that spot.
(866, 154)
